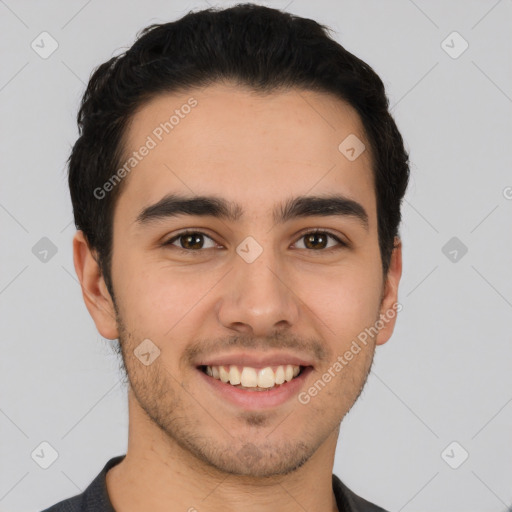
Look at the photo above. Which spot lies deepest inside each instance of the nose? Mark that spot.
(257, 299)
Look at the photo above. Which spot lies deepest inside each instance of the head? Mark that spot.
(234, 125)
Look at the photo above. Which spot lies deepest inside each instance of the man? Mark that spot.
(236, 188)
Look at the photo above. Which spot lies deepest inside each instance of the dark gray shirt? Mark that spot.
(95, 497)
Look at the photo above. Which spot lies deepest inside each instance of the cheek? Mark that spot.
(158, 300)
(344, 302)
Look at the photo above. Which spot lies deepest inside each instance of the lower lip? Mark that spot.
(256, 400)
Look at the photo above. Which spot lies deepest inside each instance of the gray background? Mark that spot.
(444, 376)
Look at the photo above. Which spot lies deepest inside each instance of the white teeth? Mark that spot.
(234, 375)
(224, 375)
(249, 377)
(266, 378)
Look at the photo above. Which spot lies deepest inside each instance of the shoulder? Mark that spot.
(73, 504)
(349, 501)
(94, 498)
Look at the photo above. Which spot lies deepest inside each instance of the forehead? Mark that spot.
(231, 142)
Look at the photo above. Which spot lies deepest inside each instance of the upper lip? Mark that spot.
(255, 360)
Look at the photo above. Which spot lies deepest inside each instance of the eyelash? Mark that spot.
(170, 242)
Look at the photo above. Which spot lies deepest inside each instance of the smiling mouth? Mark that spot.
(254, 379)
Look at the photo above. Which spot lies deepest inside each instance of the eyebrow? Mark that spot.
(173, 205)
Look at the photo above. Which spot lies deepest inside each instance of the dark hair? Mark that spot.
(255, 46)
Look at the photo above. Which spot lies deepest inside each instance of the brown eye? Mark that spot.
(318, 240)
(190, 241)
(315, 241)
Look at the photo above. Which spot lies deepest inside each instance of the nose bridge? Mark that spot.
(258, 299)
(258, 278)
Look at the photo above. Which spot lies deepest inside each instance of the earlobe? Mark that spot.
(94, 290)
(390, 305)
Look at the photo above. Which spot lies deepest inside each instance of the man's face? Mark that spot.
(252, 287)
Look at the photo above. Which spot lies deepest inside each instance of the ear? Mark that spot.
(94, 290)
(389, 306)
